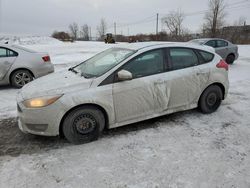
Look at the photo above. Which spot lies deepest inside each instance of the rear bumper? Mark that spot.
(45, 70)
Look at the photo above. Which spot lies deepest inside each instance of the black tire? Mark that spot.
(210, 99)
(20, 77)
(83, 125)
(230, 59)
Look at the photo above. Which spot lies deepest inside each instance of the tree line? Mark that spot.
(213, 26)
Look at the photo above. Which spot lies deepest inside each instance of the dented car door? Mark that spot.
(136, 98)
(180, 86)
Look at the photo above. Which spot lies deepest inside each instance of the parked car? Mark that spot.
(19, 66)
(227, 50)
(123, 85)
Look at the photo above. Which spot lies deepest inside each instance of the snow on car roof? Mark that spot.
(148, 45)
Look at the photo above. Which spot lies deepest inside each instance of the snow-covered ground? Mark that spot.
(186, 149)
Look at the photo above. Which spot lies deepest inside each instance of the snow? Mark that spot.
(186, 149)
(28, 40)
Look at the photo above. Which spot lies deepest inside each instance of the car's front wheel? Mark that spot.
(83, 124)
(20, 77)
(210, 99)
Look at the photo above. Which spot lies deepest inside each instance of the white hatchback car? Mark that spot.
(123, 85)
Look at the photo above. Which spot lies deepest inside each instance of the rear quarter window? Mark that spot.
(206, 56)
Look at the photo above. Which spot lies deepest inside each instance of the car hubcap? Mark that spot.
(22, 78)
(211, 99)
(84, 123)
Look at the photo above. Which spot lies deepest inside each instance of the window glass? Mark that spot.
(221, 43)
(211, 43)
(146, 64)
(11, 53)
(206, 56)
(3, 52)
(183, 58)
(103, 62)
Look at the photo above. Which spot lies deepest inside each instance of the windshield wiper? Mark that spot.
(73, 70)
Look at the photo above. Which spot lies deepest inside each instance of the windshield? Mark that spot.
(103, 62)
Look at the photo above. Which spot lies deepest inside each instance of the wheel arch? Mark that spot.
(84, 105)
(218, 84)
(13, 71)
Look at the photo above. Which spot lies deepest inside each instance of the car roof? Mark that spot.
(207, 39)
(152, 45)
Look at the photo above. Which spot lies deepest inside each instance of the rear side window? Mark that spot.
(221, 43)
(182, 58)
(3, 52)
(206, 56)
(7, 53)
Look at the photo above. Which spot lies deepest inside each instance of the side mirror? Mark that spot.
(124, 75)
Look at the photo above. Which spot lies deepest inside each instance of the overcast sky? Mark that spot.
(42, 17)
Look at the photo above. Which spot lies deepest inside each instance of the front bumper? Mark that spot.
(40, 121)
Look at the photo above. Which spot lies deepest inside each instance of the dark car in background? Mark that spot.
(227, 50)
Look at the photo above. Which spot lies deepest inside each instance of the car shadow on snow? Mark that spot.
(14, 143)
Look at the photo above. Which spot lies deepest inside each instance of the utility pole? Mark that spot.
(90, 38)
(157, 25)
(115, 29)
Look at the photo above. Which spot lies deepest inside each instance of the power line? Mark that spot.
(227, 7)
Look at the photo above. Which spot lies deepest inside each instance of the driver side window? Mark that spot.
(146, 64)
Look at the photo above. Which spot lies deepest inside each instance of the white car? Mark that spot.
(19, 65)
(123, 85)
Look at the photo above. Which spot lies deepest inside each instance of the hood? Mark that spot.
(55, 84)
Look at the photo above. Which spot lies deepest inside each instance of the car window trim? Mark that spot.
(212, 46)
(182, 48)
(7, 55)
(225, 42)
(197, 51)
(108, 81)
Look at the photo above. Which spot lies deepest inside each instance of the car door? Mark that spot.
(136, 98)
(222, 48)
(180, 85)
(7, 58)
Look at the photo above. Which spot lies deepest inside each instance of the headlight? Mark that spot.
(40, 102)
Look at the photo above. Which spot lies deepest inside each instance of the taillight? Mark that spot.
(222, 64)
(46, 58)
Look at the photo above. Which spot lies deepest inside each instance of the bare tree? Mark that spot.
(174, 22)
(102, 28)
(74, 29)
(85, 32)
(214, 18)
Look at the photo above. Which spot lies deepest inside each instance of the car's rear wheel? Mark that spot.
(83, 125)
(210, 99)
(20, 77)
(230, 59)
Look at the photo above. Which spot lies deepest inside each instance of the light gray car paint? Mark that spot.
(26, 59)
(124, 102)
(222, 51)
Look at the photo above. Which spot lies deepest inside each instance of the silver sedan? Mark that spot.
(19, 66)
(227, 50)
